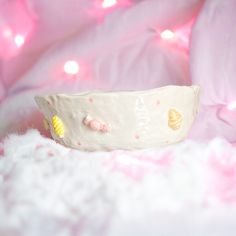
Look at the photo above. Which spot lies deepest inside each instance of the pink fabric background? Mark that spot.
(120, 48)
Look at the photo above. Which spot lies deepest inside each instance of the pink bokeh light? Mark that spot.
(15, 26)
(167, 34)
(232, 106)
(71, 67)
(109, 3)
(19, 40)
(178, 37)
(7, 33)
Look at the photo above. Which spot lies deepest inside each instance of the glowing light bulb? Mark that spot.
(71, 67)
(167, 34)
(108, 3)
(232, 106)
(7, 33)
(19, 40)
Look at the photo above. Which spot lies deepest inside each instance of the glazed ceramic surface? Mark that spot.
(96, 121)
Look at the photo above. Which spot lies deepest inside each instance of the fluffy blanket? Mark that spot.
(184, 189)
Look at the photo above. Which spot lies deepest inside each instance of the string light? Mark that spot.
(7, 33)
(109, 3)
(167, 34)
(178, 38)
(232, 106)
(19, 40)
(71, 67)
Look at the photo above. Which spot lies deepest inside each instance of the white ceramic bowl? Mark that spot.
(97, 121)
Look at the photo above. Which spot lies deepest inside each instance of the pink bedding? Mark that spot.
(119, 48)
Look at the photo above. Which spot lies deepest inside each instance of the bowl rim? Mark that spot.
(196, 88)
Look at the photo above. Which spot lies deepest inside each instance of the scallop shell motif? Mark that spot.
(58, 126)
(175, 119)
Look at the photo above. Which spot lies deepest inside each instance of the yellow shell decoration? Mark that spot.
(175, 119)
(58, 126)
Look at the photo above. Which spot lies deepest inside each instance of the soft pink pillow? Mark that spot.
(213, 67)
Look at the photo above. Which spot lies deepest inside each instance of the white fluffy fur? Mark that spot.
(47, 189)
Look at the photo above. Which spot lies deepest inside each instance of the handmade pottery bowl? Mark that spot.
(98, 121)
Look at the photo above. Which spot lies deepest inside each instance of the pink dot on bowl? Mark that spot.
(38, 146)
(158, 102)
(50, 153)
(90, 100)
(137, 136)
(78, 143)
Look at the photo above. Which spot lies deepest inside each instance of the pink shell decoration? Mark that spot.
(87, 120)
(95, 124)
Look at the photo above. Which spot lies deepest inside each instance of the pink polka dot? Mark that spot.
(50, 153)
(38, 146)
(90, 100)
(158, 102)
(137, 136)
(78, 143)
